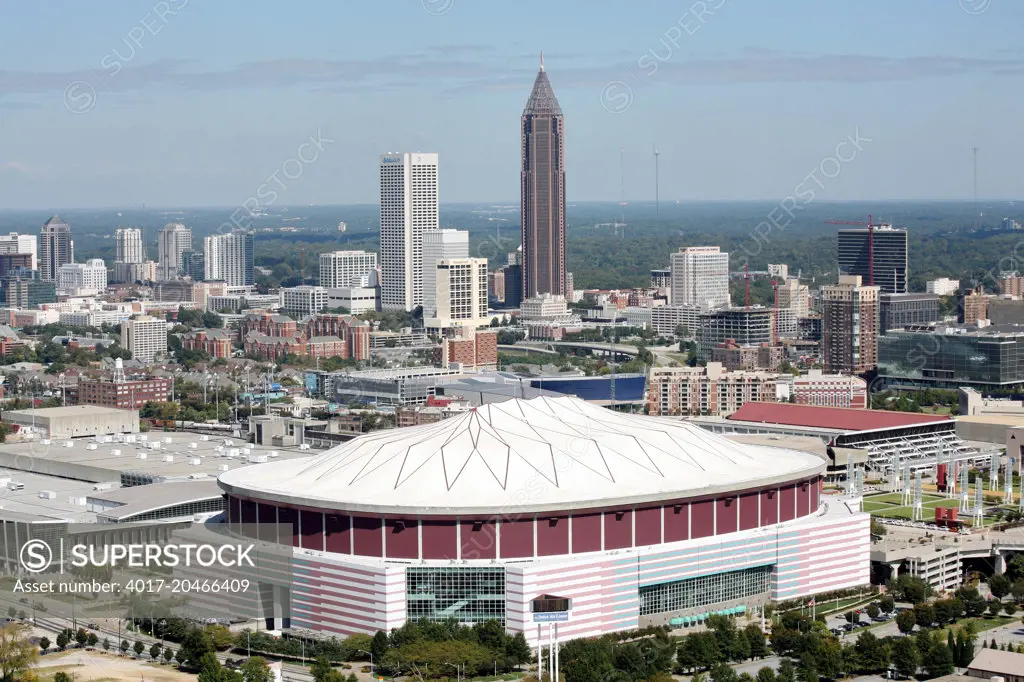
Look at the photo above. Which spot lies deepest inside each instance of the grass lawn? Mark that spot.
(980, 624)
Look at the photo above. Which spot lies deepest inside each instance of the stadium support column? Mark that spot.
(556, 649)
(999, 562)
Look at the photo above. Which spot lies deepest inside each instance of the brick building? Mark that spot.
(479, 350)
(711, 390)
(129, 394)
(216, 342)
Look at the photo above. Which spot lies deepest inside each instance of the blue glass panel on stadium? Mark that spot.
(628, 387)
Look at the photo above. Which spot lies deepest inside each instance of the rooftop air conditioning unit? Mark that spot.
(143, 437)
(193, 446)
(167, 439)
(273, 453)
(48, 495)
(195, 461)
(204, 437)
(168, 458)
(304, 446)
(115, 452)
(45, 441)
(141, 455)
(91, 446)
(224, 467)
(80, 501)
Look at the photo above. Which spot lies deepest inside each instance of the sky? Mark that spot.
(199, 102)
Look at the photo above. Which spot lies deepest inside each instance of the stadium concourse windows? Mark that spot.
(470, 594)
(705, 590)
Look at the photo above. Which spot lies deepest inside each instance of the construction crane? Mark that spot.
(871, 225)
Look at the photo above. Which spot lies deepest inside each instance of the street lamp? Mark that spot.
(458, 671)
(364, 651)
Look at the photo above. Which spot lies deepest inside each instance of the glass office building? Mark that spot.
(991, 358)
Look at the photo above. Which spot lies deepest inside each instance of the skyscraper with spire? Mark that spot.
(55, 248)
(542, 190)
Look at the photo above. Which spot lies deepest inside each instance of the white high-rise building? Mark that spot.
(129, 245)
(942, 286)
(174, 240)
(461, 287)
(304, 300)
(229, 257)
(82, 279)
(339, 269)
(700, 276)
(439, 245)
(20, 243)
(408, 208)
(144, 336)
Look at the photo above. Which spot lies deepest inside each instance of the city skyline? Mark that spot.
(695, 87)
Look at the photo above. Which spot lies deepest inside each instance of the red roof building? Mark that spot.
(838, 418)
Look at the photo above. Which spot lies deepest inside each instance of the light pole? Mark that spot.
(364, 651)
(458, 676)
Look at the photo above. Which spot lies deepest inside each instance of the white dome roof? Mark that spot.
(542, 454)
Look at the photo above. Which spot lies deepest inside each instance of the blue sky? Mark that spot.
(198, 102)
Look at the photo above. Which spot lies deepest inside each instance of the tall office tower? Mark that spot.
(438, 245)
(890, 257)
(129, 245)
(20, 243)
(229, 257)
(849, 326)
(144, 336)
(174, 240)
(193, 264)
(340, 269)
(700, 276)
(461, 287)
(542, 191)
(408, 208)
(55, 248)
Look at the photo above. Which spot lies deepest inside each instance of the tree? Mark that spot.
(887, 604)
(44, 642)
(321, 668)
(905, 621)
(106, 644)
(787, 671)
(62, 640)
(766, 674)
(1018, 588)
(17, 653)
(871, 653)
(139, 648)
(807, 671)
(154, 651)
(873, 610)
(999, 586)
(125, 646)
(924, 614)
(1010, 608)
(93, 639)
(517, 651)
(179, 656)
(194, 646)
(168, 654)
(938, 661)
(379, 645)
(81, 637)
(723, 673)
(851, 616)
(12, 612)
(905, 656)
(210, 669)
(61, 676)
(257, 670)
(756, 641)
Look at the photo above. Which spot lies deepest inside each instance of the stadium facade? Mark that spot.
(639, 520)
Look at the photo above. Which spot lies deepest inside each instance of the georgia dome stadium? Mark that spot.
(637, 520)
